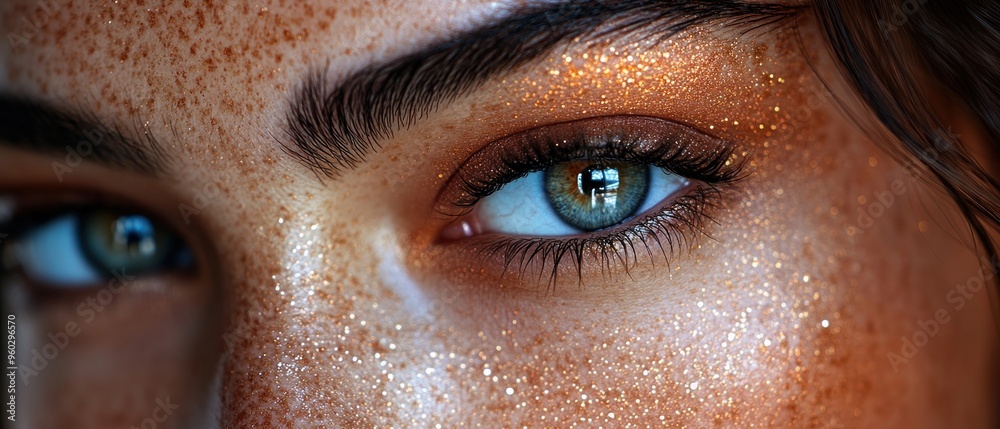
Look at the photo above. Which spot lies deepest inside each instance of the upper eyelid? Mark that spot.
(162, 206)
(684, 141)
(42, 209)
(33, 181)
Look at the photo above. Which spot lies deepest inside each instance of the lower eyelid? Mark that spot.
(661, 233)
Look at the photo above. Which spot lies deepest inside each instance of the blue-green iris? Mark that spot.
(132, 243)
(595, 194)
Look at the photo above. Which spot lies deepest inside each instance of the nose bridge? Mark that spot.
(307, 335)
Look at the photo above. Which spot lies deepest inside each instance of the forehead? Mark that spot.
(186, 61)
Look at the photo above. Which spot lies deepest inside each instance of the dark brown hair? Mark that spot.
(900, 55)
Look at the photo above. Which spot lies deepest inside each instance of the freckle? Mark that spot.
(153, 19)
(60, 34)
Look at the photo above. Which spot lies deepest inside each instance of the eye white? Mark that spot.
(522, 208)
(52, 254)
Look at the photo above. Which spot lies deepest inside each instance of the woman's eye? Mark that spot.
(598, 192)
(104, 287)
(86, 247)
(577, 196)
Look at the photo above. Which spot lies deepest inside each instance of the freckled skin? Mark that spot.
(781, 318)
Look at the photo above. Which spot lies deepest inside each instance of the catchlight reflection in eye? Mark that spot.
(591, 195)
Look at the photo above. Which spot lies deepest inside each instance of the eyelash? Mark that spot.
(666, 229)
(669, 229)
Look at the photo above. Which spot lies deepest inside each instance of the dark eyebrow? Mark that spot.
(73, 136)
(334, 128)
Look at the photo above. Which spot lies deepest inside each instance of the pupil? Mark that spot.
(114, 240)
(134, 235)
(595, 194)
(597, 180)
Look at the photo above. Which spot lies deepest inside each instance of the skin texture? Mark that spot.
(336, 307)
